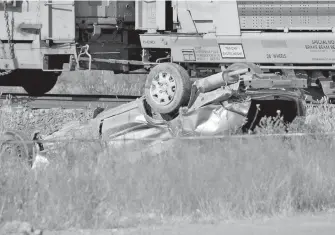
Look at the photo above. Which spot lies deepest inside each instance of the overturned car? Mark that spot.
(234, 100)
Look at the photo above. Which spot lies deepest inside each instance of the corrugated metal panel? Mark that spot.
(291, 14)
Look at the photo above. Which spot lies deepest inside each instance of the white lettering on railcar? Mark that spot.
(207, 54)
(321, 45)
(231, 51)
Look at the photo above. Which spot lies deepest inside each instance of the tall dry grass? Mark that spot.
(88, 186)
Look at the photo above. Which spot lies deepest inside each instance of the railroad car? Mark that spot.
(42, 39)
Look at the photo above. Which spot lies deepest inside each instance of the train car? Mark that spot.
(41, 39)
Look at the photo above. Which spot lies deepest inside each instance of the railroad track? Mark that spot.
(64, 101)
(70, 101)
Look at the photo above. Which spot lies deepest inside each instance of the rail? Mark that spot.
(64, 101)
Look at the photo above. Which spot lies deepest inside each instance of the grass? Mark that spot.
(88, 186)
(92, 83)
(45, 121)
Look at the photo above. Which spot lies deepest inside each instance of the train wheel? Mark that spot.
(38, 83)
(168, 87)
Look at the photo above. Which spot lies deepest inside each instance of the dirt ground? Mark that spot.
(320, 224)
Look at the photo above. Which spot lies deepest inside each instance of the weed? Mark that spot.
(192, 180)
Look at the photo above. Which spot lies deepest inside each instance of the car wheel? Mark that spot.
(16, 141)
(168, 87)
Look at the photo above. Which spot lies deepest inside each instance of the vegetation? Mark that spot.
(91, 186)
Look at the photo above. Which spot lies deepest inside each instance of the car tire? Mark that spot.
(168, 87)
(22, 146)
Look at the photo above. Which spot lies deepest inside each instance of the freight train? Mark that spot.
(42, 39)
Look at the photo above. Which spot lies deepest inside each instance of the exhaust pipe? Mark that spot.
(218, 80)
